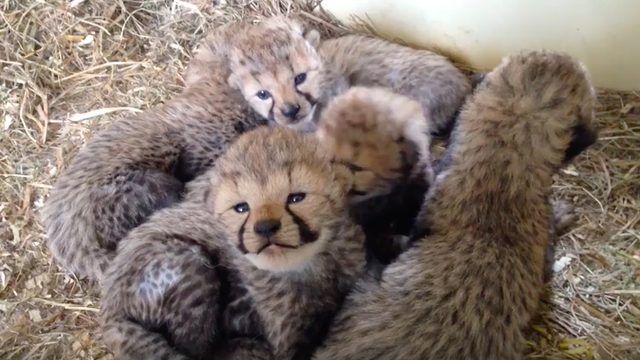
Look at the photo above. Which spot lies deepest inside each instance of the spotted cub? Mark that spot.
(292, 90)
(265, 246)
(275, 65)
(141, 163)
(266, 255)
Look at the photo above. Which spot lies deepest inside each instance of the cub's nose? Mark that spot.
(290, 110)
(267, 227)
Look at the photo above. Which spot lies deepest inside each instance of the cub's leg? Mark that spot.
(563, 218)
(384, 139)
(161, 299)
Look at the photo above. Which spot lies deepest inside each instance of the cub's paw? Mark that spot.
(564, 216)
(383, 137)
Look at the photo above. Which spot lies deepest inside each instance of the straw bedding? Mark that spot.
(69, 68)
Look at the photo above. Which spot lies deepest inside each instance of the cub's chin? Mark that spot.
(276, 258)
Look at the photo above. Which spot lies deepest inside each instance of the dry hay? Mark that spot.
(69, 68)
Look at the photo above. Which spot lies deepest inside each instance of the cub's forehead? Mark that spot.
(275, 175)
(266, 150)
(273, 50)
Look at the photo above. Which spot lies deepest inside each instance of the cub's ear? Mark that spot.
(292, 24)
(583, 137)
(307, 31)
(313, 37)
(476, 78)
(234, 81)
(344, 176)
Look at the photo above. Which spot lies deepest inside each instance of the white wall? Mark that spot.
(605, 34)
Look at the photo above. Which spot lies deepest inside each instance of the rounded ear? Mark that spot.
(210, 184)
(234, 81)
(313, 37)
(344, 177)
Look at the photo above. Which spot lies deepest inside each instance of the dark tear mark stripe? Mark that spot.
(273, 103)
(241, 246)
(307, 96)
(306, 234)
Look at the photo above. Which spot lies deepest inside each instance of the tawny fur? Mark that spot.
(200, 281)
(424, 76)
(386, 134)
(183, 254)
(140, 164)
(469, 289)
(264, 66)
(331, 67)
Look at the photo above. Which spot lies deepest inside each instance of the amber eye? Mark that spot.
(295, 198)
(300, 78)
(263, 94)
(241, 208)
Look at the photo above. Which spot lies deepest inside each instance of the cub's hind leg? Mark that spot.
(161, 300)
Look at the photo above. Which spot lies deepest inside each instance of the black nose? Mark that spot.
(290, 110)
(266, 227)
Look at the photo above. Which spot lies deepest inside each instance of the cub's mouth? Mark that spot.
(303, 124)
(275, 248)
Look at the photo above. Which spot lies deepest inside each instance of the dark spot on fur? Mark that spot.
(454, 317)
(239, 127)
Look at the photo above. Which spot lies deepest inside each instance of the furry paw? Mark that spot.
(382, 136)
(564, 216)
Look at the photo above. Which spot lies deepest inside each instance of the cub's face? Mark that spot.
(278, 70)
(279, 198)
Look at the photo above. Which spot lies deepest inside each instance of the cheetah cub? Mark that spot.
(293, 91)
(275, 65)
(141, 163)
(263, 259)
(262, 250)
(469, 288)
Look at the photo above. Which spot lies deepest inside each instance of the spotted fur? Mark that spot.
(275, 65)
(141, 163)
(257, 263)
(468, 289)
(424, 76)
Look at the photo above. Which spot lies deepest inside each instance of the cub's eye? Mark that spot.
(300, 78)
(241, 208)
(295, 198)
(263, 94)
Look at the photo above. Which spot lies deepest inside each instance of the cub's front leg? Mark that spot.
(384, 139)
